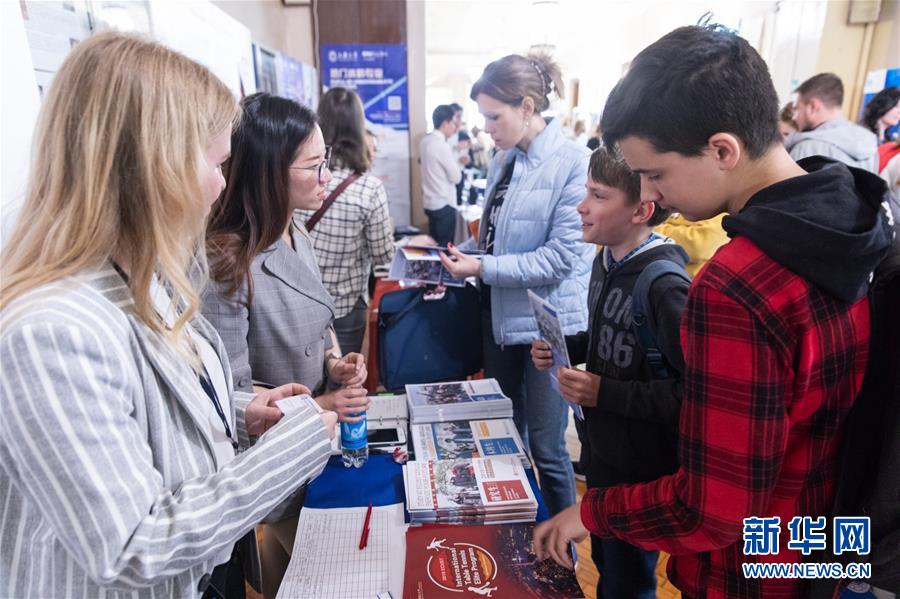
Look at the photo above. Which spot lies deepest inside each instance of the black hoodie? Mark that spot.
(828, 227)
(630, 436)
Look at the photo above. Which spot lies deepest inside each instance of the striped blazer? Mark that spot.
(109, 486)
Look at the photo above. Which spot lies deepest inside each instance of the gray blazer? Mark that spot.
(108, 480)
(281, 337)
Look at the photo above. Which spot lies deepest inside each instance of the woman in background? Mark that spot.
(531, 235)
(882, 112)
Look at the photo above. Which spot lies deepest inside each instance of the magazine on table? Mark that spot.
(496, 489)
(547, 317)
(467, 439)
(482, 561)
(422, 264)
(457, 400)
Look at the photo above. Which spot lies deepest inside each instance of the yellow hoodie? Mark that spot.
(699, 239)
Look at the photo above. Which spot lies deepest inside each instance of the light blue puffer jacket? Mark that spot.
(538, 242)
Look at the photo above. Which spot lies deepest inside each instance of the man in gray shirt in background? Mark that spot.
(440, 173)
(823, 129)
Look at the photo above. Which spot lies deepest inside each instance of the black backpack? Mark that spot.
(644, 325)
(869, 479)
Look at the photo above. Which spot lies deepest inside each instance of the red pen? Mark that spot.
(364, 538)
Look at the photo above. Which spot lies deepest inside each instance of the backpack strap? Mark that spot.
(641, 308)
(332, 197)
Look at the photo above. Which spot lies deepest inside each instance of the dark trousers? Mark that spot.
(442, 224)
(351, 328)
(626, 572)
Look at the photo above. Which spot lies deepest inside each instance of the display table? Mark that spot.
(380, 482)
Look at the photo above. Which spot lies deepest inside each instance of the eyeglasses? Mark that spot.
(319, 168)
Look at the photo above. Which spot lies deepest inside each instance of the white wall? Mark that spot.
(19, 106)
(287, 29)
(595, 40)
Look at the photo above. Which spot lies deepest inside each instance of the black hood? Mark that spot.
(830, 226)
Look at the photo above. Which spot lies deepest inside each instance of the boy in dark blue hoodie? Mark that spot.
(631, 418)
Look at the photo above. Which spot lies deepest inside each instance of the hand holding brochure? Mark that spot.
(422, 264)
(551, 332)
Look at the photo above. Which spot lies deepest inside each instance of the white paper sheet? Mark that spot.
(327, 560)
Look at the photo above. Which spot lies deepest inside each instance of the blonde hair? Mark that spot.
(117, 170)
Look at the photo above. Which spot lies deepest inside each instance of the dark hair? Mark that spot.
(343, 125)
(827, 87)
(456, 108)
(513, 78)
(441, 115)
(690, 84)
(611, 170)
(253, 211)
(878, 106)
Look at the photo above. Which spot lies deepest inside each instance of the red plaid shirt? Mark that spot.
(772, 366)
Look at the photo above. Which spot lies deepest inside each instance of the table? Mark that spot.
(379, 481)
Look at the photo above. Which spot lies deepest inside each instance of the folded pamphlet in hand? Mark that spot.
(422, 264)
(551, 332)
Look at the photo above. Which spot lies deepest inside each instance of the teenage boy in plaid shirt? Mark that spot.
(776, 328)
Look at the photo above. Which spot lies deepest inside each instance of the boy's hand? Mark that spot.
(551, 538)
(541, 354)
(579, 387)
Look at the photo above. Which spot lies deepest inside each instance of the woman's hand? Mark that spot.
(262, 413)
(329, 419)
(579, 387)
(349, 371)
(347, 402)
(552, 538)
(541, 355)
(460, 265)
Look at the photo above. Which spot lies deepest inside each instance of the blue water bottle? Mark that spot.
(857, 590)
(355, 442)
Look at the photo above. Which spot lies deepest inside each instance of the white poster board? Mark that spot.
(205, 33)
(20, 101)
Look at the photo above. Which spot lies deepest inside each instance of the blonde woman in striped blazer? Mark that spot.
(128, 465)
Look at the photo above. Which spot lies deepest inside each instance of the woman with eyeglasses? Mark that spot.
(266, 297)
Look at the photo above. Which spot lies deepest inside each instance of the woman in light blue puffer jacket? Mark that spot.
(531, 234)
